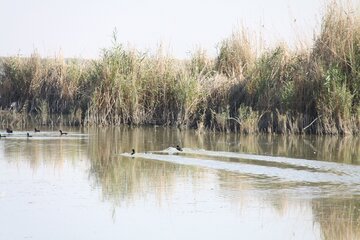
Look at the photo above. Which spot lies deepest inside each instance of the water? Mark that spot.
(86, 185)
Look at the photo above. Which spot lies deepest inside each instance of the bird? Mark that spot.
(28, 135)
(36, 130)
(178, 148)
(2, 136)
(132, 151)
(8, 130)
(62, 133)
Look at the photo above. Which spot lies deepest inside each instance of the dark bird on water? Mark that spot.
(62, 133)
(178, 148)
(28, 135)
(2, 136)
(36, 130)
(8, 130)
(132, 151)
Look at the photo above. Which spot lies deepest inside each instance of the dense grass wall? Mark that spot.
(243, 89)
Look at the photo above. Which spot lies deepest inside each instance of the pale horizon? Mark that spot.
(82, 28)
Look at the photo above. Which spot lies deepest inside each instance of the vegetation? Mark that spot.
(243, 89)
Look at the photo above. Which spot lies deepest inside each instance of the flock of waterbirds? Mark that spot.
(9, 132)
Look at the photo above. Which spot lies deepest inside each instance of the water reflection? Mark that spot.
(123, 179)
(43, 148)
(338, 218)
(187, 193)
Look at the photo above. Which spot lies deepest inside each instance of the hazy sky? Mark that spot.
(80, 28)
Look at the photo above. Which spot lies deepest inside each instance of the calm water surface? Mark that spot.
(86, 185)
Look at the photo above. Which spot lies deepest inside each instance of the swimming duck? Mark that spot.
(2, 136)
(132, 151)
(178, 148)
(8, 130)
(62, 133)
(28, 135)
(36, 130)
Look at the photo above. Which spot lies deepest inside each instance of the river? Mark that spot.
(87, 185)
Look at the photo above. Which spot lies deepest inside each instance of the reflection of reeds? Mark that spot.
(123, 179)
(338, 219)
(39, 152)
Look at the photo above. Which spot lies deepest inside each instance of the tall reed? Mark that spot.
(244, 88)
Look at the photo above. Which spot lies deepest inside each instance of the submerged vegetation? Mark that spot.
(242, 89)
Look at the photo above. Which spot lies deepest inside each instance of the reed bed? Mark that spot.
(244, 88)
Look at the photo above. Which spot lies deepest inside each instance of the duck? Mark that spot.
(178, 148)
(8, 130)
(62, 133)
(28, 135)
(36, 130)
(2, 136)
(132, 152)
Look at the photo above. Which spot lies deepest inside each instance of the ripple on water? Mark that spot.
(301, 172)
